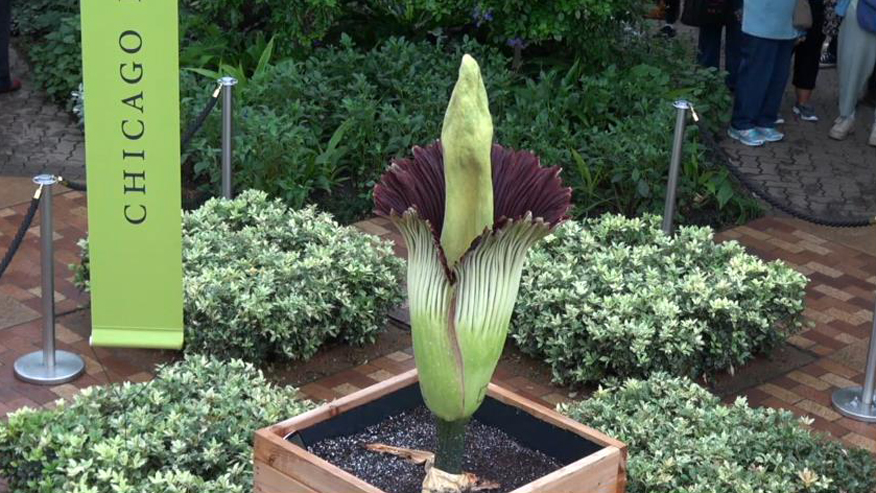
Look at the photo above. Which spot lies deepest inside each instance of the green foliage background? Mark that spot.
(324, 104)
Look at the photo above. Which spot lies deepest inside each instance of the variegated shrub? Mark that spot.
(187, 431)
(262, 280)
(616, 297)
(683, 439)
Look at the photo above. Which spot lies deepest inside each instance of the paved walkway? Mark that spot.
(839, 311)
(810, 171)
(37, 136)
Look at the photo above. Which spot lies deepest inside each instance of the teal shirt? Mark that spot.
(771, 19)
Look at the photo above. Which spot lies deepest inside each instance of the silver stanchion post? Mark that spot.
(859, 403)
(227, 84)
(675, 163)
(49, 366)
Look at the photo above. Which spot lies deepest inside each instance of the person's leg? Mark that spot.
(732, 51)
(778, 72)
(670, 16)
(857, 53)
(757, 54)
(5, 26)
(807, 58)
(709, 46)
(672, 11)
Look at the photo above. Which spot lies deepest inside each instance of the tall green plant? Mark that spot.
(469, 210)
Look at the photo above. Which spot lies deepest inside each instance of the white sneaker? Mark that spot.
(872, 140)
(842, 127)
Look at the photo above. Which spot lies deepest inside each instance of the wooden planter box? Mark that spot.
(596, 462)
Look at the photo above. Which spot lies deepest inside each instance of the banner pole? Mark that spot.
(48, 366)
(859, 403)
(675, 163)
(227, 84)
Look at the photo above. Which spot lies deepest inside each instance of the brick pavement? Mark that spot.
(21, 322)
(839, 311)
(36, 135)
(810, 171)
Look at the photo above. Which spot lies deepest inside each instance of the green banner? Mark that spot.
(131, 78)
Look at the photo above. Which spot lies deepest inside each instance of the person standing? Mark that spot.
(672, 9)
(768, 38)
(709, 42)
(856, 58)
(7, 84)
(807, 60)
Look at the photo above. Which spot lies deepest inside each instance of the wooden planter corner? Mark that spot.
(283, 467)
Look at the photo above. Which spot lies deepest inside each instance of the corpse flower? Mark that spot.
(468, 211)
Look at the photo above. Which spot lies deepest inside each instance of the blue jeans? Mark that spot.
(5, 26)
(709, 48)
(763, 74)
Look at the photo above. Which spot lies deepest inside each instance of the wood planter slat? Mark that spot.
(283, 467)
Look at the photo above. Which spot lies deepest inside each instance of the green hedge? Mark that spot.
(616, 297)
(582, 27)
(189, 430)
(323, 130)
(682, 439)
(321, 126)
(264, 282)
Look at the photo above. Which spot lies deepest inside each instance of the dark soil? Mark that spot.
(336, 357)
(764, 367)
(489, 453)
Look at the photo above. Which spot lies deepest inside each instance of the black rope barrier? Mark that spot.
(720, 155)
(199, 121)
(22, 230)
(191, 130)
(72, 185)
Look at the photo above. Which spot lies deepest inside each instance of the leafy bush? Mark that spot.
(52, 29)
(616, 297)
(187, 431)
(296, 24)
(681, 439)
(586, 26)
(323, 130)
(577, 25)
(262, 281)
(331, 123)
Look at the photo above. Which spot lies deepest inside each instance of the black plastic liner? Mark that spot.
(558, 443)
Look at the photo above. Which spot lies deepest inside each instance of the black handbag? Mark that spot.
(698, 13)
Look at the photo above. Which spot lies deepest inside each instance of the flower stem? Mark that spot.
(451, 444)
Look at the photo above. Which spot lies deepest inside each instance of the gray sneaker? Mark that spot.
(805, 112)
(842, 127)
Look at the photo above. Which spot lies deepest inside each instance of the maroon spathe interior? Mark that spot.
(520, 185)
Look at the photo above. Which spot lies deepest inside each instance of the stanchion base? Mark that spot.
(848, 403)
(30, 368)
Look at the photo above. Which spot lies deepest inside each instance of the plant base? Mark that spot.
(590, 460)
